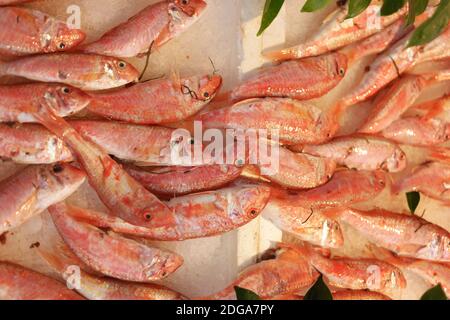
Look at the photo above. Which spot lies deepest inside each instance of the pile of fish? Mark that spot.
(125, 156)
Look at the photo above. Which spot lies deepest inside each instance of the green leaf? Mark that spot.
(356, 7)
(314, 5)
(391, 6)
(319, 291)
(435, 293)
(245, 294)
(416, 8)
(413, 199)
(271, 10)
(433, 27)
(421, 6)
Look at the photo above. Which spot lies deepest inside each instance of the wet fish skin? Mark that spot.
(194, 216)
(342, 295)
(406, 235)
(175, 181)
(356, 273)
(111, 254)
(345, 188)
(361, 152)
(157, 101)
(10, 2)
(297, 122)
(84, 71)
(122, 195)
(289, 272)
(302, 79)
(19, 283)
(150, 28)
(338, 32)
(398, 98)
(307, 224)
(32, 144)
(430, 178)
(27, 31)
(34, 189)
(20, 103)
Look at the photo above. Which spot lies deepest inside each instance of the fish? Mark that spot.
(20, 103)
(361, 152)
(33, 189)
(376, 43)
(157, 101)
(193, 216)
(27, 32)
(355, 273)
(337, 32)
(121, 194)
(341, 295)
(430, 178)
(345, 188)
(56, 253)
(32, 144)
(84, 71)
(433, 272)
(302, 79)
(149, 29)
(176, 181)
(429, 127)
(19, 283)
(437, 49)
(294, 122)
(304, 223)
(406, 235)
(111, 254)
(298, 170)
(398, 98)
(287, 273)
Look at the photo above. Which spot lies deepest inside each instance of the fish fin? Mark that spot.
(439, 154)
(50, 120)
(385, 255)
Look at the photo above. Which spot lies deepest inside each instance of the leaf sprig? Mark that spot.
(425, 33)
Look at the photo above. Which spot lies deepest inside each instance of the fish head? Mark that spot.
(396, 162)
(191, 7)
(332, 236)
(252, 200)
(120, 70)
(160, 266)
(66, 100)
(378, 180)
(208, 87)
(339, 64)
(64, 38)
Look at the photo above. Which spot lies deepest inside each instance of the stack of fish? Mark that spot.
(126, 157)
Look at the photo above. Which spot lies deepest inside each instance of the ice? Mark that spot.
(226, 34)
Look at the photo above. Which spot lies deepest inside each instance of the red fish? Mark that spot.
(337, 32)
(20, 103)
(18, 283)
(85, 71)
(150, 28)
(124, 196)
(32, 190)
(194, 216)
(302, 79)
(26, 31)
(111, 254)
(173, 181)
(10, 2)
(32, 144)
(157, 101)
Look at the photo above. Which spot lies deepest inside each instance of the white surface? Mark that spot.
(227, 34)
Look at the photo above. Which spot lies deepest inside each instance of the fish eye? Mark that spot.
(57, 168)
(65, 90)
(147, 216)
(253, 212)
(62, 45)
(342, 72)
(206, 95)
(122, 64)
(185, 2)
